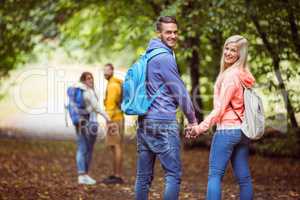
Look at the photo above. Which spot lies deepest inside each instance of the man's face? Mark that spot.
(168, 34)
(108, 72)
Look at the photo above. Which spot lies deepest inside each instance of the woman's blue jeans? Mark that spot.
(227, 145)
(85, 145)
(158, 138)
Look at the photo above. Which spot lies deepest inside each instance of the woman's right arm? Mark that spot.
(91, 99)
(227, 91)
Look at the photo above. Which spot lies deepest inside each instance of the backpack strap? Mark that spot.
(155, 52)
(235, 112)
(150, 55)
(243, 85)
(244, 88)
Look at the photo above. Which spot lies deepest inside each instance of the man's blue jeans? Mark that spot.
(227, 145)
(158, 138)
(85, 145)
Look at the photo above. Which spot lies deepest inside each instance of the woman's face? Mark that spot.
(231, 54)
(89, 81)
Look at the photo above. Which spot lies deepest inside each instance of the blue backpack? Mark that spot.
(135, 100)
(76, 106)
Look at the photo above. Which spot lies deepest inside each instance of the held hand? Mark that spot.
(188, 128)
(194, 132)
(187, 131)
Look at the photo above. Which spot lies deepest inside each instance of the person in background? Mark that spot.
(115, 134)
(86, 134)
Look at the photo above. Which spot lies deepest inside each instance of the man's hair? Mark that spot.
(165, 19)
(110, 65)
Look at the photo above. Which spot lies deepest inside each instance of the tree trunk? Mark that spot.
(293, 27)
(276, 61)
(216, 40)
(194, 63)
(285, 94)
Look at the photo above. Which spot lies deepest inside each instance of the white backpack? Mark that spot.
(253, 125)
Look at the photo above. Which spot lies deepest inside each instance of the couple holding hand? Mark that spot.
(158, 131)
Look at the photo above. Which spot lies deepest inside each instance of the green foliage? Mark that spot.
(286, 145)
(104, 28)
(99, 28)
(20, 23)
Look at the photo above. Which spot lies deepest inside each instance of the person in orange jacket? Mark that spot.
(114, 137)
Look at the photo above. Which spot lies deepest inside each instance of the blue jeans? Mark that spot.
(158, 138)
(85, 145)
(228, 145)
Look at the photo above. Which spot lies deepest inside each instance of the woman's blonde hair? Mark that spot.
(242, 49)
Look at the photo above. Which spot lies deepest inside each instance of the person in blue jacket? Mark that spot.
(158, 130)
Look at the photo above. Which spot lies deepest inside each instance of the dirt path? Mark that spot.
(39, 169)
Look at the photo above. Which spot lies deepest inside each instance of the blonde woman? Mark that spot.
(229, 143)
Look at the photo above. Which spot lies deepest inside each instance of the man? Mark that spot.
(114, 136)
(158, 131)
